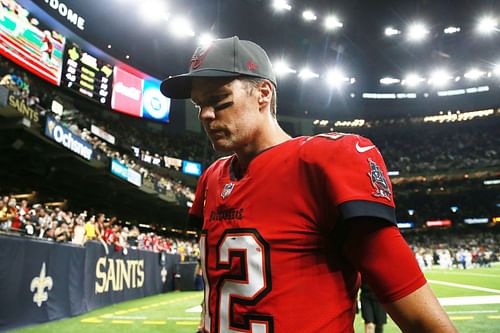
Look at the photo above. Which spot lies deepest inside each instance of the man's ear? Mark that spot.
(265, 94)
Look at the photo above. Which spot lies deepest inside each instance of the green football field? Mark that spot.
(471, 298)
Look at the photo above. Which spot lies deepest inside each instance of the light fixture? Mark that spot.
(332, 23)
(439, 78)
(389, 80)
(281, 68)
(309, 15)
(474, 74)
(281, 5)
(390, 31)
(180, 27)
(336, 78)
(205, 39)
(487, 25)
(451, 30)
(417, 32)
(306, 74)
(412, 80)
(153, 10)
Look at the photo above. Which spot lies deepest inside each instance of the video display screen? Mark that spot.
(24, 40)
(87, 75)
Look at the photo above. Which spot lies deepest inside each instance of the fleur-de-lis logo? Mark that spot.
(38, 285)
(51, 126)
(163, 274)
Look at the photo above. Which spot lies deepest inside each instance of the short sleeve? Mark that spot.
(353, 173)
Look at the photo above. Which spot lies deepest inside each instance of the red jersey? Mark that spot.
(268, 249)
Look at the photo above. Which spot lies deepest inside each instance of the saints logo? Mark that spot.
(164, 274)
(38, 285)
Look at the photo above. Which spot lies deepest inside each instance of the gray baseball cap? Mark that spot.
(227, 57)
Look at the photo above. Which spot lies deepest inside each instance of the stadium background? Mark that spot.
(99, 86)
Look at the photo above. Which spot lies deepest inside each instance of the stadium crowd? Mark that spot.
(29, 89)
(466, 248)
(20, 218)
(441, 147)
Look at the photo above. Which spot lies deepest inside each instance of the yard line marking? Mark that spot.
(183, 318)
(462, 318)
(494, 317)
(121, 312)
(154, 322)
(466, 273)
(133, 309)
(122, 322)
(469, 300)
(145, 307)
(92, 320)
(127, 317)
(106, 315)
(187, 322)
(195, 309)
(464, 286)
(478, 311)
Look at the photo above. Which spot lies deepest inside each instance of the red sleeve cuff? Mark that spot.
(383, 258)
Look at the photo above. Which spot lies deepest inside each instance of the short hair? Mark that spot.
(253, 82)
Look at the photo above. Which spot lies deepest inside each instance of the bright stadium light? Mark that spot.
(412, 80)
(440, 78)
(281, 68)
(389, 80)
(306, 74)
(281, 5)
(487, 25)
(451, 30)
(496, 70)
(417, 32)
(332, 23)
(180, 27)
(390, 31)
(153, 10)
(309, 15)
(336, 78)
(205, 39)
(474, 74)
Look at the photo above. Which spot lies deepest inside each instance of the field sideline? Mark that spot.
(471, 298)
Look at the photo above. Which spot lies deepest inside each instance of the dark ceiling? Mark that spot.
(360, 47)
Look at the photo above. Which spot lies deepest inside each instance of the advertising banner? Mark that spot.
(127, 93)
(43, 281)
(154, 105)
(63, 136)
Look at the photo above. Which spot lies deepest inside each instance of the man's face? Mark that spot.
(228, 111)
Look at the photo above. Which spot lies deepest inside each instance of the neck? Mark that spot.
(274, 136)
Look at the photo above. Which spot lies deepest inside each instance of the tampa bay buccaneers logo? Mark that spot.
(199, 55)
(379, 182)
(228, 188)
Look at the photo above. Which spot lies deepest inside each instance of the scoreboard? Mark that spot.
(87, 75)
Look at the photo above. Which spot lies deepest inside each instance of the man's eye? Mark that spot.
(222, 106)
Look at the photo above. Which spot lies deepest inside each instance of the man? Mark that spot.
(372, 312)
(288, 224)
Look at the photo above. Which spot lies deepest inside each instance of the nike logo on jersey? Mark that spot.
(363, 149)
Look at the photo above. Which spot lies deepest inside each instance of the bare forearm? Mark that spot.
(420, 312)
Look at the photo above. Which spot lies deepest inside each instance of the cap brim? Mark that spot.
(179, 86)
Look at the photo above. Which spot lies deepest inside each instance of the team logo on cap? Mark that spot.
(379, 182)
(228, 188)
(251, 65)
(199, 56)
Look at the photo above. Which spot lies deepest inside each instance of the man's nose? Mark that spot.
(206, 113)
